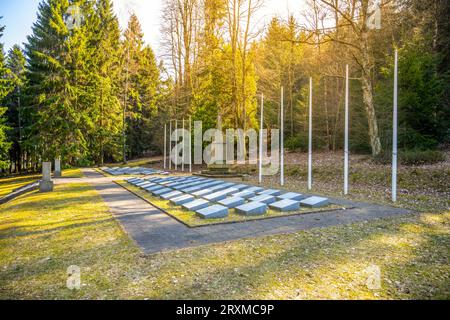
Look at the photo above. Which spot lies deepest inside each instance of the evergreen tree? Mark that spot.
(140, 83)
(106, 111)
(14, 102)
(423, 119)
(5, 88)
(56, 59)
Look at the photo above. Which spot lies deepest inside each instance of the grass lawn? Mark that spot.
(41, 235)
(7, 185)
(192, 220)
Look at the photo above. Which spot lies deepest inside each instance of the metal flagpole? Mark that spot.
(176, 145)
(346, 151)
(170, 145)
(165, 146)
(261, 138)
(310, 136)
(394, 133)
(282, 138)
(190, 144)
(184, 151)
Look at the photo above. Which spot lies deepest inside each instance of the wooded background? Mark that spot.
(84, 94)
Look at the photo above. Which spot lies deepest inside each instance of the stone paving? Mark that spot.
(154, 231)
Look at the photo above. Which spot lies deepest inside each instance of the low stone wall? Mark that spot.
(20, 191)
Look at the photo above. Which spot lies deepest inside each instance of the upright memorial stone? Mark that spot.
(57, 168)
(46, 184)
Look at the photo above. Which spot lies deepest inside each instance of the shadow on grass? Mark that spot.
(18, 231)
(325, 265)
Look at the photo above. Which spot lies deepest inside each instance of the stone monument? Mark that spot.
(46, 184)
(220, 168)
(57, 173)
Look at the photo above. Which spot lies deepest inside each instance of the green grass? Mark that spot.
(41, 235)
(72, 173)
(192, 220)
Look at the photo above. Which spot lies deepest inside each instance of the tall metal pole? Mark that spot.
(190, 144)
(165, 146)
(261, 138)
(394, 133)
(282, 138)
(346, 151)
(176, 145)
(170, 145)
(184, 151)
(310, 136)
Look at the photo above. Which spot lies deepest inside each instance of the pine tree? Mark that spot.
(5, 88)
(55, 57)
(106, 110)
(14, 102)
(140, 83)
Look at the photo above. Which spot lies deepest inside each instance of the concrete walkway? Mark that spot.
(155, 231)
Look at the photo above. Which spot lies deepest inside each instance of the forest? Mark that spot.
(98, 94)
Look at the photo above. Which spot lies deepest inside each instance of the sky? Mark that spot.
(19, 15)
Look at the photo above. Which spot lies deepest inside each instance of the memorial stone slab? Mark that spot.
(241, 187)
(178, 201)
(244, 194)
(270, 192)
(252, 209)
(285, 205)
(263, 199)
(159, 180)
(147, 185)
(161, 191)
(57, 168)
(46, 184)
(291, 196)
(154, 188)
(143, 182)
(196, 205)
(219, 187)
(213, 212)
(184, 186)
(133, 181)
(232, 202)
(171, 195)
(255, 189)
(315, 202)
(220, 195)
(46, 171)
(200, 187)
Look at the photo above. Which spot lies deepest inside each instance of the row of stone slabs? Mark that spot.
(212, 199)
(118, 171)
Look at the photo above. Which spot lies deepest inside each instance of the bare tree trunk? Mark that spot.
(367, 88)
